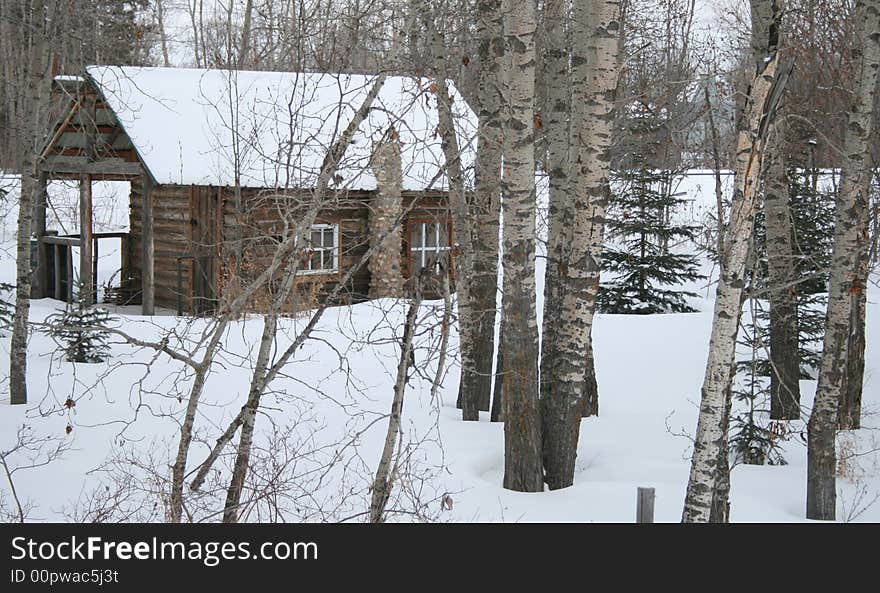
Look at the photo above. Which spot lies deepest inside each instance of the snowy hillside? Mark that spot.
(321, 430)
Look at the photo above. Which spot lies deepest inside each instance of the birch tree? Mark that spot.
(522, 426)
(475, 387)
(595, 30)
(557, 131)
(461, 221)
(32, 191)
(710, 439)
(785, 364)
(846, 285)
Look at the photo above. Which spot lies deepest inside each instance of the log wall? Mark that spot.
(181, 233)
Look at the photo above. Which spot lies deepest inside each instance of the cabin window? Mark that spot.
(320, 254)
(428, 245)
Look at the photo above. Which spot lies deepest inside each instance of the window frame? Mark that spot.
(335, 250)
(416, 222)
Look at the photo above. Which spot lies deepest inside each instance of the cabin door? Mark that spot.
(205, 229)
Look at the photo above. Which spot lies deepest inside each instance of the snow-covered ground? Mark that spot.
(320, 439)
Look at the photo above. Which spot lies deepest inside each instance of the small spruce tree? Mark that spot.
(644, 271)
(754, 438)
(812, 211)
(81, 332)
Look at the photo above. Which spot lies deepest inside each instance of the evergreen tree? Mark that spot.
(644, 271)
(812, 209)
(81, 333)
(754, 438)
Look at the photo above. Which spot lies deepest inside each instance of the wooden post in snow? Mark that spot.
(86, 280)
(147, 277)
(645, 505)
(40, 273)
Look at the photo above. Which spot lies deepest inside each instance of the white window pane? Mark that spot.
(444, 234)
(430, 236)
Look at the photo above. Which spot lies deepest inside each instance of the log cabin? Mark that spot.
(222, 164)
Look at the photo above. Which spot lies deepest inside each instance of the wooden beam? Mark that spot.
(82, 129)
(86, 279)
(61, 165)
(76, 152)
(60, 130)
(148, 286)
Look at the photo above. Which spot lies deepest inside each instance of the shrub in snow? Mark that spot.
(81, 333)
(754, 438)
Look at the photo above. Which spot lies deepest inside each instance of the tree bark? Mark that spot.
(785, 363)
(384, 479)
(245, 35)
(248, 420)
(557, 79)
(29, 195)
(591, 386)
(458, 205)
(850, 417)
(163, 37)
(478, 336)
(720, 511)
(522, 425)
(846, 286)
(711, 427)
(594, 80)
(497, 414)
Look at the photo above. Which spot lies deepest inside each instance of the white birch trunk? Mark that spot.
(594, 78)
(522, 427)
(846, 284)
(34, 114)
(711, 427)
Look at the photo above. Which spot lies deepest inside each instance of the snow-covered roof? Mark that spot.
(191, 126)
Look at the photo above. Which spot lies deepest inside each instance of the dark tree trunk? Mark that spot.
(591, 388)
(850, 417)
(475, 387)
(498, 388)
(785, 370)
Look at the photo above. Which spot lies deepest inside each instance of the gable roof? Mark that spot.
(191, 126)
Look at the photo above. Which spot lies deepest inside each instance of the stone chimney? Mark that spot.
(385, 265)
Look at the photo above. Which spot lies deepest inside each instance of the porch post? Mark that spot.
(86, 280)
(147, 253)
(40, 272)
